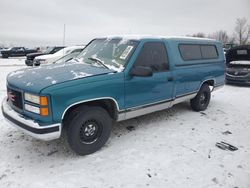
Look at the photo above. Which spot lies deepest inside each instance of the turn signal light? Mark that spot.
(43, 101)
(44, 111)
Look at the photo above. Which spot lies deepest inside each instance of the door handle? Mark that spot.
(170, 78)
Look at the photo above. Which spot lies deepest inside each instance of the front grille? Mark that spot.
(237, 73)
(15, 98)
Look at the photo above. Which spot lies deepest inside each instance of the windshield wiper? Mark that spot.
(98, 61)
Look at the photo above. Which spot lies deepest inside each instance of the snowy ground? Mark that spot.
(172, 148)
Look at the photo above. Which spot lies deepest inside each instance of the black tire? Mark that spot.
(5, 56)
(88, 129)
(202, 99)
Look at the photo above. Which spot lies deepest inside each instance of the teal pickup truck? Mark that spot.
(112, 79)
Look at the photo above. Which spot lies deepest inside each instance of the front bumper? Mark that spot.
(29, 126)
(241, 80)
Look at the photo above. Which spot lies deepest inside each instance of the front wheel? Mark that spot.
(5, 56)
(202, 99)
(89, 129)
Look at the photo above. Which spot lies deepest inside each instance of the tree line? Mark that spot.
(240, 36)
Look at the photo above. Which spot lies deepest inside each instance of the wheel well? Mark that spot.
(107, 104)
(209, 82)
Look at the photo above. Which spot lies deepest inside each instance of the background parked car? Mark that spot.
(51, 50)
(70, 56)
(238, 65)
(16, 52)
(50, 58)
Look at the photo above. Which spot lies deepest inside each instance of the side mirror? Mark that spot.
(141, 71)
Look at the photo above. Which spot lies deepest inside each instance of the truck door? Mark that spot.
(156, 88)
(21, 52)
(18, 52)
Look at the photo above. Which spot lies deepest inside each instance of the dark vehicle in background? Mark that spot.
(51, 50)
(228, 46)
(238, 65)
(16, 52)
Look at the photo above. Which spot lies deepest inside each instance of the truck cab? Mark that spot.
(112, 79)
(16, 52)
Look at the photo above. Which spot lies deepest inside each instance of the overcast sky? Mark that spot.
(35, 23)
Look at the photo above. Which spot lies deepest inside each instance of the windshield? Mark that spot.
(48, 50)
(69, 56)
(108, 53)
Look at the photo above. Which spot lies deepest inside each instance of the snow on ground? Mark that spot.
(171, 148)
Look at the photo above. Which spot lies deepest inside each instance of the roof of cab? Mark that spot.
(142, 37)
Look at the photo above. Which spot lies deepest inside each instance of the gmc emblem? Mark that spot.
(11, 96)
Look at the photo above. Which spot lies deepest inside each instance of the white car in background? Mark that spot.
(50, 58)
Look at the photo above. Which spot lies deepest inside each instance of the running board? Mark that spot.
(154, 107)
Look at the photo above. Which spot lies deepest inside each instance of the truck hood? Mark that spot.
(6, 50)
(32, 55)
(46, 56)
(36, 79)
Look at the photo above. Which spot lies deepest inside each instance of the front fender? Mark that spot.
(64, 96)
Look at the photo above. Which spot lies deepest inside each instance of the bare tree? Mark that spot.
(221, 36)
(232, 40)
(242, 31)
(200, 35)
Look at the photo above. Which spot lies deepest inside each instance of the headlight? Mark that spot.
(38, 100)
(41, 100)
(37, 110)
(39, 61)
(31, 108)
(32, 98)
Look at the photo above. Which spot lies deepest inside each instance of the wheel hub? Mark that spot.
(203, 98)
(89, 132)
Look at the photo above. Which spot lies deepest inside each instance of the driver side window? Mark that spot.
(153, 55)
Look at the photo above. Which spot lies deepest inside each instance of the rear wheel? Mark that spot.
(89, 129)
(202, 99)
